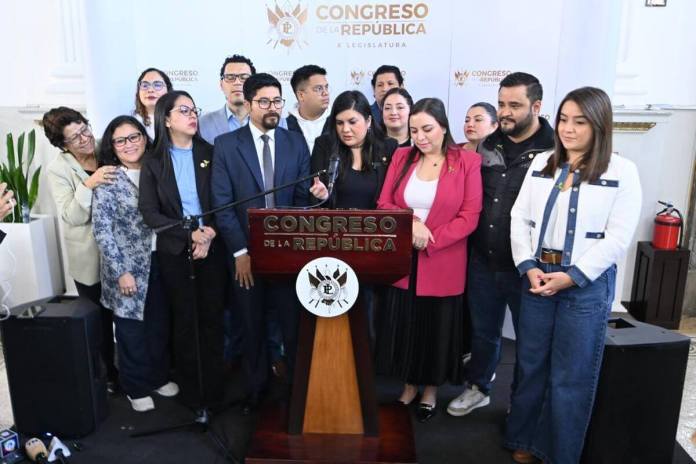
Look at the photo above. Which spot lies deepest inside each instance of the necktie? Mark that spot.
(268, 170)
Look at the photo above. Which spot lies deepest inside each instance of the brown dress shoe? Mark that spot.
(524, 457)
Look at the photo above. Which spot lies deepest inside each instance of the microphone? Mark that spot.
(57, 450)
(332, 172)
(36, 450)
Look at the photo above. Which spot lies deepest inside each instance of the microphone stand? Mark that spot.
(202, 419)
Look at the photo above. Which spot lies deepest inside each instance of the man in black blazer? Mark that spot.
(252, 159)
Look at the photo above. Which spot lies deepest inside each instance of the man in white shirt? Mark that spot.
(311, 113)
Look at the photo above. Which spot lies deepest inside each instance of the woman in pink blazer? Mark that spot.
(421, 331)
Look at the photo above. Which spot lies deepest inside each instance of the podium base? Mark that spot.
(271, 443)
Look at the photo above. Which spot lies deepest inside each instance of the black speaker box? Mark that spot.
(56, 378)
(636, 409)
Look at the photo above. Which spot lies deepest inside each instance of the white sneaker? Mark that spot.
(142, 404)
(169, 389)
(471, 399)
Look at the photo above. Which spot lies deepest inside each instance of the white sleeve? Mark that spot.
(621, 225)
(521, 226)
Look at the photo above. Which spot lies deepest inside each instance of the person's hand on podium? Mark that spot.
(319, 190)
(7, 202)
(242, 273)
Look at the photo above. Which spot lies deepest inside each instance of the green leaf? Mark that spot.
(20, 150)
(10, 152)
(34, 189)
(30, 150)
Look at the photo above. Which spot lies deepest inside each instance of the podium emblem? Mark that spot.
(327, 287)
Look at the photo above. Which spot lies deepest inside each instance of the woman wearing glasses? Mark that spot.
(175, 182)
(72, 176)
(130, 276)
(152, 84)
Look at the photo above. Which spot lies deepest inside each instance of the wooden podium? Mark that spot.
(333, 414)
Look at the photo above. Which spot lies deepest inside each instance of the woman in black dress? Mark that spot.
(364, 153)
(363, 150)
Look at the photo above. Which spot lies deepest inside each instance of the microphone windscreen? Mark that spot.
(36, 450)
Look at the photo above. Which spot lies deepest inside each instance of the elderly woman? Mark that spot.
(6, 201)
(72, 176)
(152, 84)
(130, 276)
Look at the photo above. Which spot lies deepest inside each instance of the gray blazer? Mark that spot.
(213, 124)
(74, 205)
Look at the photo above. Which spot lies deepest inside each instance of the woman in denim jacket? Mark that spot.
(573, 220)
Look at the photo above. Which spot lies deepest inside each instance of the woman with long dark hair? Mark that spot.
(363, 151)
(174, 183)
(130, 276)
(481, 121)
(574, 218)
(396, 108)
(151, 85)
(422, 337)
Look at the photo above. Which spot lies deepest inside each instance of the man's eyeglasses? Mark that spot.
(320, 89)
(265, 103)
(186, 111)
(85, 132)
(157, 85)
(236, 77)
(119, 142)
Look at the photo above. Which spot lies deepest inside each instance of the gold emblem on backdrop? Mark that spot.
(286, 24)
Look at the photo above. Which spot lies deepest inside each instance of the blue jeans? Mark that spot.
(488, 295)
(559, 350)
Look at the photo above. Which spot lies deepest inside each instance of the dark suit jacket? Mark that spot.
(159, 200)
(380, 161)
(2, 236)
(237, 175)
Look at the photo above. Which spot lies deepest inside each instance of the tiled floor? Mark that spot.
(687, 418)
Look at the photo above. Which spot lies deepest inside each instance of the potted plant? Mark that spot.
(36, 272)
(16, 174)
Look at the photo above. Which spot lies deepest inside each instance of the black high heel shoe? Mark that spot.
(425, 412)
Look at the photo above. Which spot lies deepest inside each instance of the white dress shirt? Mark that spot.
(258, 143)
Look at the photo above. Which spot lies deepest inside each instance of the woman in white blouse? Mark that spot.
(573, 220)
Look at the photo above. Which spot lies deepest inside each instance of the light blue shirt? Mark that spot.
(235, 124)
(185, 174)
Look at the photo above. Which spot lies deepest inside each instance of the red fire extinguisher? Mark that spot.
(668, 228)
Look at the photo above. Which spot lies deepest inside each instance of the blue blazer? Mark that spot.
(236, 175)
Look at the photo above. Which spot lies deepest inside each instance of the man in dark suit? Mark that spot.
(252, 159)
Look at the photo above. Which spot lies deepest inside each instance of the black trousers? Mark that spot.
(143, 346)
(255, 304)
(206, 296)
(93, 293)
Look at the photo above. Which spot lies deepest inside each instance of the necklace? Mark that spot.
(434, 163)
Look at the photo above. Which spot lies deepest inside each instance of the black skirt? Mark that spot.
(420, 339)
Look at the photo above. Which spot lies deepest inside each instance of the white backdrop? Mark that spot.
(454, 50)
